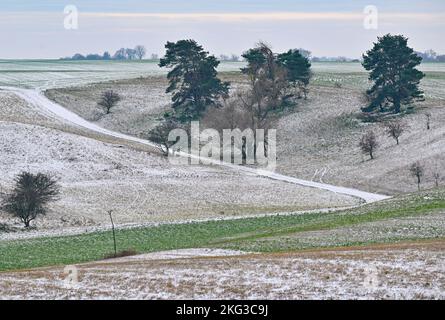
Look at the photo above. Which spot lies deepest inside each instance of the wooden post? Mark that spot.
(114, 234)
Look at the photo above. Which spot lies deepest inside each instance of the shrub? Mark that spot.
(120, 254)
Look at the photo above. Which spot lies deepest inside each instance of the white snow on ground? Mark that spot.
(46, 74)
(37, 99)
(328, 147)
(179, 254)
(143, 189)
(392, 272)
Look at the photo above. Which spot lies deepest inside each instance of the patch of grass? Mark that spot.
(20, 254)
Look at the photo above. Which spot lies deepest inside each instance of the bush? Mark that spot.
(31, 194)
(120, 254)
(108, 100)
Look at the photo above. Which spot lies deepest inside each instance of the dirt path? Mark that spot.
(52, 109)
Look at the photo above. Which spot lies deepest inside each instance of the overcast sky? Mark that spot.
(35, 28)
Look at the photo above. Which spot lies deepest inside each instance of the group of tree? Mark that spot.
(136, 53)
(394, 128)
(334, 59)
(275, 80)
(229, 58)
(419, 170)
(431, 56)
(396, 79)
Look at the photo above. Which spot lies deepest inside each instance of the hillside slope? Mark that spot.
(99, 175)
(318, 139)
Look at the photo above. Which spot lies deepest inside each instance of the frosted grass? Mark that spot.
(47, 74)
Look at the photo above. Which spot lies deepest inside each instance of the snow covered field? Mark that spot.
(140, 186)
(325, 150)
(100, 172)
(45, 74)
(403, 271)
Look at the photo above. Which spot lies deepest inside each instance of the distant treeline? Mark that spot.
(138, 53)
(333, 59)
(431, 56)
(305, 53)
(230, 58)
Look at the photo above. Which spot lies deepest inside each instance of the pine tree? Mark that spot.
(298, 69)
(393, 70)
(193, 79)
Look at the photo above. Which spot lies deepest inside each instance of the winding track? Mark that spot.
(36, 98)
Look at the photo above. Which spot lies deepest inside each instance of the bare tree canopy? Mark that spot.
(140, 51)
(31, 194)
(108, 100)
(276, 79)
(130, 53)
(268, 78)
(395, 129)
(368, 143)
(159, 135)
(417, 171)
(437, 175)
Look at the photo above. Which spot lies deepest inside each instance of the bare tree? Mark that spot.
(224, 57)
(239, 112)
(428, 120)
(130, 53)
(437, 175)
(417, 171)
(31, 194)
(140, 51)
(234, 58)
(368, 143)
(268, 79)
(120, 54)
(159, 135)
(108, 100)
(230, 115)
(395, 129)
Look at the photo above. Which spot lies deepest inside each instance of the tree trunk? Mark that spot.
(396, 105)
